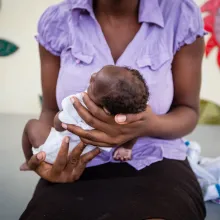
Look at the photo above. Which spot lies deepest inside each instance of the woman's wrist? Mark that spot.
(152, 126)
(175, 124)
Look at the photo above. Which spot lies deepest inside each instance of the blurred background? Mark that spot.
(20, 89)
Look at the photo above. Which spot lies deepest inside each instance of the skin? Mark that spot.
(119, 29)
(66, 168)
(102, 82)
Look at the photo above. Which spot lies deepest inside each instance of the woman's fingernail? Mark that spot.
(83, 94)
(67, 140)
(40, 156)
(121, 118)
(64, 126)
(72, 100)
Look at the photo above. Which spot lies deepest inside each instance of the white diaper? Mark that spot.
(53, 143)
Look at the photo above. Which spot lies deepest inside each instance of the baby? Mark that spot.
(118, 90)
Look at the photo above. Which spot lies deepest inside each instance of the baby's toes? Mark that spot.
(122, 154)
(24, 167)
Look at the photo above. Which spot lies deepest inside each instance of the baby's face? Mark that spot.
(98, 86)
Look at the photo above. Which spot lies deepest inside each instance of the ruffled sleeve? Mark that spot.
(189, 26)
(53, 29)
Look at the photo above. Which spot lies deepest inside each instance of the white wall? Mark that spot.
(20, 73)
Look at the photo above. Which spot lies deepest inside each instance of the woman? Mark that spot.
(163, 39)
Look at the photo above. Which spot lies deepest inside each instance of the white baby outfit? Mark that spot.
(207, 171)
(68, 115)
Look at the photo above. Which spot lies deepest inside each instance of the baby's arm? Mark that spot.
(124, 152)
(57, 123)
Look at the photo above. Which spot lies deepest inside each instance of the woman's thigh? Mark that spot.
(165, 190)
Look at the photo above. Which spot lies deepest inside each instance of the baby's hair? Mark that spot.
(127, 96)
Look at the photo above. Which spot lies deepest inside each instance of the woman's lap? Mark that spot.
(165, 190)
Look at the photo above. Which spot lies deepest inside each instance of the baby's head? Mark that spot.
(119, 90)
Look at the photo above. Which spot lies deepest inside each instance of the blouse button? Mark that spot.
(77, 61)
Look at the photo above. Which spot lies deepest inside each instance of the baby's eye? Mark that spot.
(92, 79)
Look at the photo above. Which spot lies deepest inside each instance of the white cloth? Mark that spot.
(207, 171)
(68, 115)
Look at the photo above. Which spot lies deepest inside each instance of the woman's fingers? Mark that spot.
(98, 144)
(77, 151)
(78, 131)
(86, 158)
(61, 160)
(74, 156)
(89, 118)
(89, 156)
(36, 160)
(37, 164)
(96, 111)
(129, 118)
(92, 135)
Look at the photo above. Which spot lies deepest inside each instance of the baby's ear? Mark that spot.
(106, 111)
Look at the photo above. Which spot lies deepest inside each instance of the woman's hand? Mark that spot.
(66, 168)
(110, 131)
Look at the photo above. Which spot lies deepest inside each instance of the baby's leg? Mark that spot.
(124, 152)
(34, 135)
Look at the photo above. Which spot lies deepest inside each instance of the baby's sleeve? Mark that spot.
(53, 29)
(189, 25)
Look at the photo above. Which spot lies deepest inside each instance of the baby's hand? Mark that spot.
(58, 123)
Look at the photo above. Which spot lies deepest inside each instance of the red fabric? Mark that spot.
(212, 7)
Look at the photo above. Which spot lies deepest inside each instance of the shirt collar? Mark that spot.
(80, 4)
(149, 10)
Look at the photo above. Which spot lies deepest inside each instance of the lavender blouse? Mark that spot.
(71, 31)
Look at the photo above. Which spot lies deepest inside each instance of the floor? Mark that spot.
(17, 187)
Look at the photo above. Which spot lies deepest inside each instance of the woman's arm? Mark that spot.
(184, 114)
(50, 66)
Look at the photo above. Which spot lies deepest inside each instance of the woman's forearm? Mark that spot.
(47, 116)
(176, 124)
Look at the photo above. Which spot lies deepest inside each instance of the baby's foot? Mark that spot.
(24, 167)
(122, 154)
